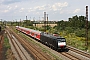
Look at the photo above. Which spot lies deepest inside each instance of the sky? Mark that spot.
(16, 10)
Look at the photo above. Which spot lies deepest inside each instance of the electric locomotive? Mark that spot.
(55, 42)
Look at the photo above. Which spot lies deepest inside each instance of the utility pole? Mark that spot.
(86, 28)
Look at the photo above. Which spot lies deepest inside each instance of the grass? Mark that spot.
(77, 42)
(6, 42)
(7, 46)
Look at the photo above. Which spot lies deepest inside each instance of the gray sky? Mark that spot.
(56, 9)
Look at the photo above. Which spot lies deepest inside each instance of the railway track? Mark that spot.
(19, 51)
(68, 55)
(76, 54)
(79, 52)
(32, 49)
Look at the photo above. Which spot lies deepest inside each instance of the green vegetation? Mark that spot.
(7, 46)
(74, 30)
(6, 42)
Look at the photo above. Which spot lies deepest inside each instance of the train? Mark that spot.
(55, 42)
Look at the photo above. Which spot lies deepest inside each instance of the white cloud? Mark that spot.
(59, 6)
(64, 4)
(49, 7)
(16, 6)
(5, 11)
(54, 8)
(37, 13)
(31, 9)
(21, 9)
(61, 12)
(9, 7)
(76, 10)
(40, 7)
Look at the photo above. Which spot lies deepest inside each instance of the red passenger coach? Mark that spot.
(33, 33)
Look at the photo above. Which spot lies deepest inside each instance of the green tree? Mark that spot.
(77, 22)
(61, 25)
(27, 23)
(81, 22)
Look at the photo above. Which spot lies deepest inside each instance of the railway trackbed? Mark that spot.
(68, 55)
(19, 52)
(72, 54)
(79, 53)
(30, 48)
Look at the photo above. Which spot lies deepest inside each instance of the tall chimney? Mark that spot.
(26, 17)
(45, 20)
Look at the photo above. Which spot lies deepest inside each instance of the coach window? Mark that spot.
(30, 32)
(35, 35)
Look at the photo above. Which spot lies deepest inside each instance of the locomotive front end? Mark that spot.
(61, 43)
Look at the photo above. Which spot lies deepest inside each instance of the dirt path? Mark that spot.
(1, 45)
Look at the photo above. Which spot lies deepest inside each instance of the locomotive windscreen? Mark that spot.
(61, 40)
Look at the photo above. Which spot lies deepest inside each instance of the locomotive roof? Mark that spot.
(50, 35)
